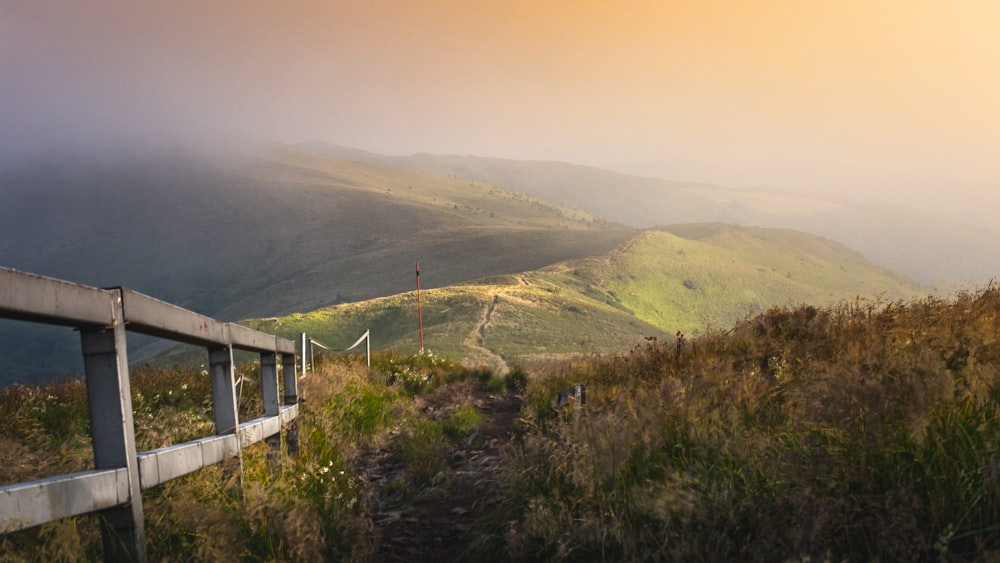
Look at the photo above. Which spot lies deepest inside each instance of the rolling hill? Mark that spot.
(268, 233)
(929, 248)
(688, 278)
(287, 229)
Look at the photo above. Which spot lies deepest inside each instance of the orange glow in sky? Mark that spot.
(883, 98)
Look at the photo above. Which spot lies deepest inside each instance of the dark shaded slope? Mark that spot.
(263, 235)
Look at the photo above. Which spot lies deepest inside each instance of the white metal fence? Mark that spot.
(114, 488)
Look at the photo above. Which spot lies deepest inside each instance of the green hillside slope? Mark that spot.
(688, 278)
(268, 233)
(711, 276)
(927, 247)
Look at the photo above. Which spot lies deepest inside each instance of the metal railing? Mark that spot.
(308, 343)
(114, 488)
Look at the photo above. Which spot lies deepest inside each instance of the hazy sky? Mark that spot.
(862, 97)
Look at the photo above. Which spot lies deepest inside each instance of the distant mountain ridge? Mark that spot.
(931, 249)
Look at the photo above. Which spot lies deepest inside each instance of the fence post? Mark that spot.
(109, 398)
(269, 386)
(269, 382)
(290, 378)
(305, 352)
(291, 397)
(220, 361)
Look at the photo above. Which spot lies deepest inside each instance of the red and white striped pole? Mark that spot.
(420, 314)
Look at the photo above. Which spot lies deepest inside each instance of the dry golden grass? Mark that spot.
(262, 506)
(865, 431)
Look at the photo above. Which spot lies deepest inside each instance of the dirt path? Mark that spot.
(433, 520)
(481, 355)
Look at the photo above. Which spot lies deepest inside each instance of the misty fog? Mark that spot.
(888, 103)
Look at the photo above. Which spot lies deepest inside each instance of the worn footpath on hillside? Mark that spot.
(432, 519)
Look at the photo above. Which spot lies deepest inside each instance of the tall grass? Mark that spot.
(862, 431)
(305, 507)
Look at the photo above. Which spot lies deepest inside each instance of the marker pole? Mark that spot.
(420, 314)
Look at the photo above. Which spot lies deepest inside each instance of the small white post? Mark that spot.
(305, 352)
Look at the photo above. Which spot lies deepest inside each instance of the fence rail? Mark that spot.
(114, 488)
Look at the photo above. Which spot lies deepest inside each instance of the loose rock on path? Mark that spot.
(433, 519)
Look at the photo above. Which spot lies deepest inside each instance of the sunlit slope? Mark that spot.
(228, 236)
(362, 227)
(710, 276)
(496, 322)
(687, 278)
(268, 233)
(927, 247)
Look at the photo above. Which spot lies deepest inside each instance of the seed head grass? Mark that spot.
(265, 505)
(862, 431)
(868, 430)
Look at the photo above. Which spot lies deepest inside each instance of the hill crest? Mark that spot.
(932, 249)
(701, 278)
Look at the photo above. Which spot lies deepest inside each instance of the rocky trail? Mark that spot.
(433, 519)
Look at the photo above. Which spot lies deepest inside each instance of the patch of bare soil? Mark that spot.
(432, 519)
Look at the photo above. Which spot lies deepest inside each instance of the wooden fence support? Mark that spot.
(112, 432)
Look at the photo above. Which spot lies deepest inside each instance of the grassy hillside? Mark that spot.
(857, 432)
(263, 234)
(209, 234)
(508, 319)
(850, 433)
(706, 276)
(687, 278)
(927, 247)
